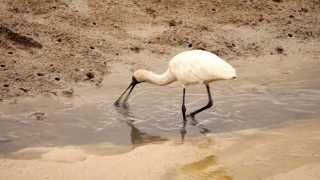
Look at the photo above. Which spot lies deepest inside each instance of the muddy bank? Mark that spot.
(81, 40)
(291, 151)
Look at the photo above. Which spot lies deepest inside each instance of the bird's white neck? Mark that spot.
(159, 79)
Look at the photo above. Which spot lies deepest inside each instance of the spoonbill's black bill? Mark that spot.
(133, 83)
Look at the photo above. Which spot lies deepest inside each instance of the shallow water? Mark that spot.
(153, 114)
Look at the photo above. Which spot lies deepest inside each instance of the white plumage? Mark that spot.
(197, 66)
(189, 67)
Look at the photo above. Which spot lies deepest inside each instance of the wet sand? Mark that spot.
(286, 153)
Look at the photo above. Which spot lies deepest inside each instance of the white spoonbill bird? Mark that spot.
(189, 67)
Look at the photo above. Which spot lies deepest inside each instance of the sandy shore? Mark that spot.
(289, 152)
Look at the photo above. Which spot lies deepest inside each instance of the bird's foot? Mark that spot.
(190, 116)
(193, 121)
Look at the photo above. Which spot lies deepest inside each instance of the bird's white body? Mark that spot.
(197, 66)
(190, 67)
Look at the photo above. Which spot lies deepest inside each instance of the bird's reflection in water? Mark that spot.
(203, 130)
(137, 136)
(193, 122)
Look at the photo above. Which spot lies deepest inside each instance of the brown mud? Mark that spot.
(48, 47)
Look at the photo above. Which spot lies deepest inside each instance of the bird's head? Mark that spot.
(140, 75)
(137, 77)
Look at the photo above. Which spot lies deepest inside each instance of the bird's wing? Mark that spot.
(187, 72)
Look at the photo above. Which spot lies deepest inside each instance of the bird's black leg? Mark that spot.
(183, 108)
(210, 103)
